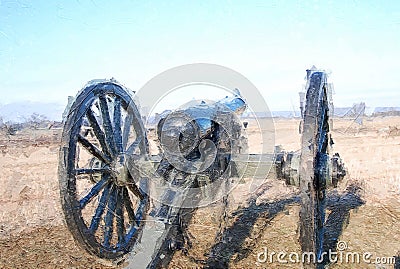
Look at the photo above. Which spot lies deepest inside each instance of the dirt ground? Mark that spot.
(363, 212)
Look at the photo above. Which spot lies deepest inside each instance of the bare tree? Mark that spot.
(37, 120)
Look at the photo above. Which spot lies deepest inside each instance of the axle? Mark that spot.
(287, 168)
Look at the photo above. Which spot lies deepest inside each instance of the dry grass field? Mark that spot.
(363, 212)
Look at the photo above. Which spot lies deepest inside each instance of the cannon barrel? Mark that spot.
(201, 115)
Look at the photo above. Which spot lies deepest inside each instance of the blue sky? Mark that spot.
(50, 49)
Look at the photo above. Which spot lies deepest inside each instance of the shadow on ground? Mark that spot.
(339, 217)
(233, 238)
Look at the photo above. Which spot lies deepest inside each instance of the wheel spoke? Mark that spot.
(107, 123)
(129, 207)
(117, 124)
(94, 225)
(134, 145)
(133, 120)
(97, 131)
(108, 219)
(94, 191)
(142, 205)
(120, 218)
(93, 150)
(126, 131)
(320, 224)
(323, 128)
(135, 190)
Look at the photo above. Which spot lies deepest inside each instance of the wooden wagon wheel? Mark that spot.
(104, 205)
(314, 167)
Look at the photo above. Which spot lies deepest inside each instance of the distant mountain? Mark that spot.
(386, 109)
(285, 114)
(338, 112)
(19, 112)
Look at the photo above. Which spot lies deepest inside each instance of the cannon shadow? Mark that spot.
(233, 238)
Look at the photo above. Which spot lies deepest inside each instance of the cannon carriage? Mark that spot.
(106, 170)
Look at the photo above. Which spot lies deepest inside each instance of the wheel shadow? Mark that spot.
(339, 206)
(232, 241)
(233, 238)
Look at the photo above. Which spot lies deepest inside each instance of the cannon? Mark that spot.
(105, 168)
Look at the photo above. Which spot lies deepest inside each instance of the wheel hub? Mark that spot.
(120, 173)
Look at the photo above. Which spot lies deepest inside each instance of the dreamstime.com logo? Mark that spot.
(340, 255)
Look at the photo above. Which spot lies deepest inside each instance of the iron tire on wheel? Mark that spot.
(314, 168)
(106, 218)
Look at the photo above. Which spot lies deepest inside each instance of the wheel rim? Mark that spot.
(314, 166)
(104, 204)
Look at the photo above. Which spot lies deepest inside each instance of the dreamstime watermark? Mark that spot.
(341, 255)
